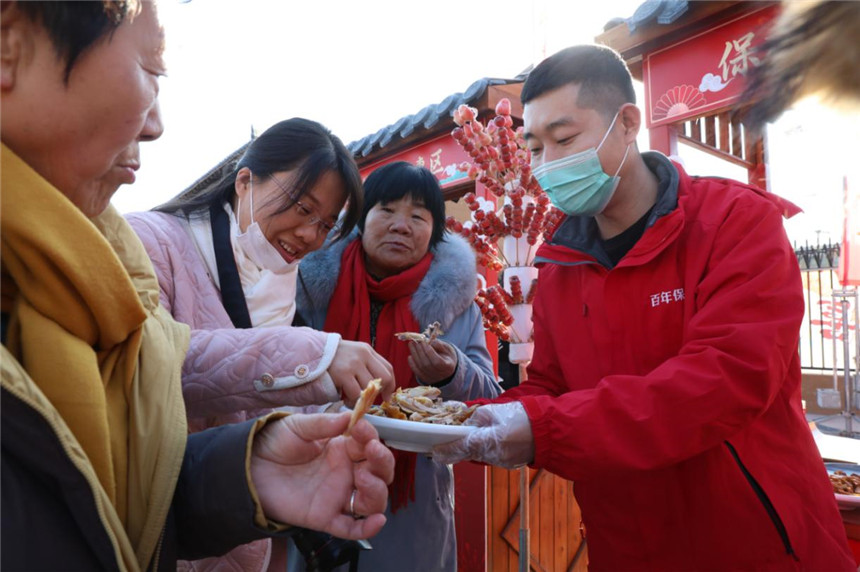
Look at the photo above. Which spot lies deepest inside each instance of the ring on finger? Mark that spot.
(352, 505)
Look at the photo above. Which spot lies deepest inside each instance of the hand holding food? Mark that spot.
(432, 362)
(306, 473)
(504, 438)
(354, 365)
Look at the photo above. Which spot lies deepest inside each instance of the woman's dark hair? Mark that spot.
(400, 179)
(292, 144)
(602, 76)
(74, 27)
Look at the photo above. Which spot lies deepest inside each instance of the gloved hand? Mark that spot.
(503, 438)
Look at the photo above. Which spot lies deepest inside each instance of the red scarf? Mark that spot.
(349, 315)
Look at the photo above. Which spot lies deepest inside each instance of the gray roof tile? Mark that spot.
(664, 11)
(426, 118)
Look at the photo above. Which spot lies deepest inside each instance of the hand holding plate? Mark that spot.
(503, 437)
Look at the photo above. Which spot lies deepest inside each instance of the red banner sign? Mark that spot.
(705, 72)
(849, 258)
(441, 156)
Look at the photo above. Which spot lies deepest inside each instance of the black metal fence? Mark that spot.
(818, 265)
(818, 257)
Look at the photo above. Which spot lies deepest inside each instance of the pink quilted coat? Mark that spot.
(231, 374)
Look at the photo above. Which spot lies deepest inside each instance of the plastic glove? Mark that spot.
(503, 438)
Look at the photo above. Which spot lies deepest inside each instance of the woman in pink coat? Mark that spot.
(226, 260)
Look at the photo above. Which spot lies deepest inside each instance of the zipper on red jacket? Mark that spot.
(765, 501)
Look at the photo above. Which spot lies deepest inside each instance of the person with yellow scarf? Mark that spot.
(97, 469)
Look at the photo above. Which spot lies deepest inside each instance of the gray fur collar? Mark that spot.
(445, 293)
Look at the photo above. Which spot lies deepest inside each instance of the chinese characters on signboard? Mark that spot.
(441, 156)
(703, 73)
(737, 57)
(435, 165)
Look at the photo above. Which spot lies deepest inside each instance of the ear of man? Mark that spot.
(630, 118)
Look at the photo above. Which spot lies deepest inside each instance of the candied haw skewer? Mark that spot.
(527, 215)
(516, 290)
(505, 296)
(499, 330)
(494, 295)
(508, 211)
(454, 225)
(530, 297)
(553, 218)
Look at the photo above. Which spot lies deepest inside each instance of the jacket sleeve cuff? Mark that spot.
(215, 504)
(260, 520)
(303, 373)
(541, 431)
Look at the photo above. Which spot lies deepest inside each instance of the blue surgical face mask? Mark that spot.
(577, 184)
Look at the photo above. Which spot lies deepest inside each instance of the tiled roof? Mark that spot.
(659, 11)
(216, 173)
(426, 118)
(400, 129)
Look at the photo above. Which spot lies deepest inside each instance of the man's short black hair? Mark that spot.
(602, 76)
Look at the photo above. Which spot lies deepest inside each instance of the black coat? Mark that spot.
(49, 516)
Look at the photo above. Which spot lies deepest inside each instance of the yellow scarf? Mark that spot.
(87, 328)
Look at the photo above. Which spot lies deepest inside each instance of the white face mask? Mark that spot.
(254, 244)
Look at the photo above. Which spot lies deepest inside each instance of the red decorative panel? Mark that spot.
(705, 72)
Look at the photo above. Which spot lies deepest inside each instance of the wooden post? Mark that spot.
(524, 519)
(664, 138)
(524, 504)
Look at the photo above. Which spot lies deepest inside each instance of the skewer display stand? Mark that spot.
(506, 240)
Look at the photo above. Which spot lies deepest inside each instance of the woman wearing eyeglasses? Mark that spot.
(226, 259)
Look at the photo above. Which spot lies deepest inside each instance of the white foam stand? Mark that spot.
(522, 326)
(521, 353)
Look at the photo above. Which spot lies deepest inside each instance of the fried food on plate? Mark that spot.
(845, 484)
(422, 403)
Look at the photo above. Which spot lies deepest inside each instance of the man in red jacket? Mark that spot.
(665, 380)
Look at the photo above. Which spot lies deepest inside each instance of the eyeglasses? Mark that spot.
(308, 214)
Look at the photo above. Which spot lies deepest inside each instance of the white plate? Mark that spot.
(845, 502)
(416, 436)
